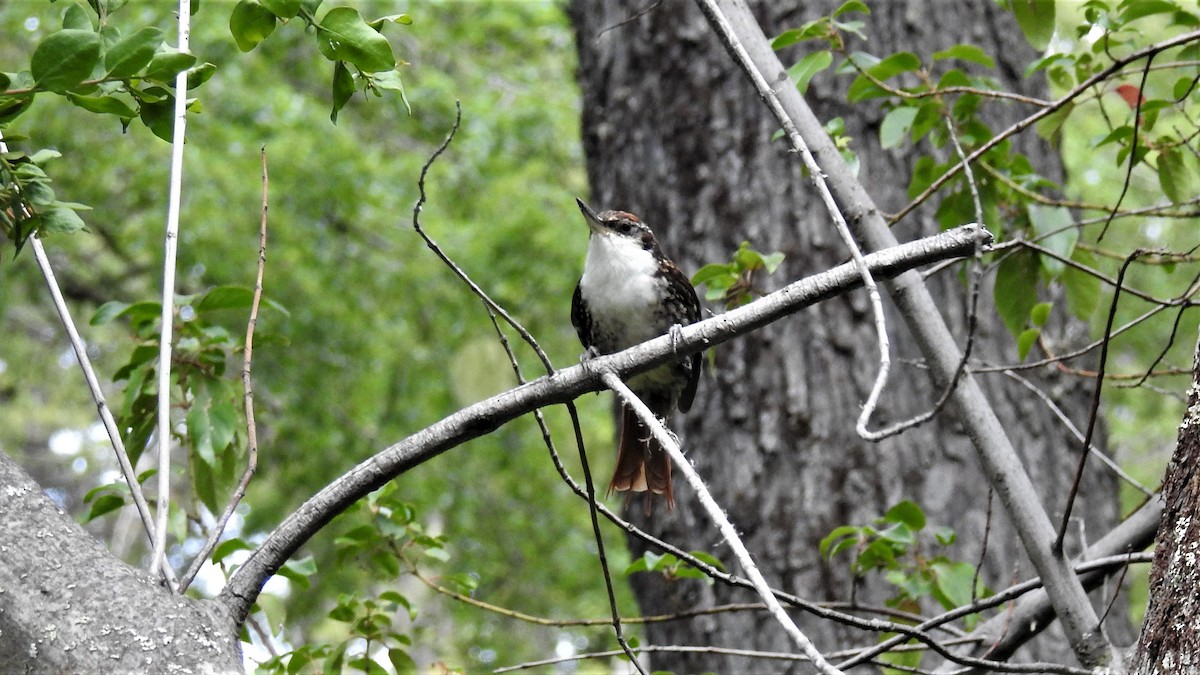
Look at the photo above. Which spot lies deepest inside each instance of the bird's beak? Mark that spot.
(593, 221)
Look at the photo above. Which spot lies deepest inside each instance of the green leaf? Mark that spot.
(401, 661)
(1040, 314)
(402, 19)
(133, 53)
(229, 546)
(969, 53)
(812, 29)
(200, 74)
(343, 36)
(77, 18)
(299, 570)
(1082, 289)
(896, 125)
(390, 79)
(836, 540)
(103, 504)
(1049, 125)
(945, 535)
(809, 66)
(199, 429)
(284, 9)
(61, 221)
(64, 59)
(1015, 291)
(224, 420)
(159, 117)
(343, 88)
(250, 23)
(12, 108)
(1026, 340)
(165, 65)
(225, 297)
(1036, 18)
(713, 272)
(900, 62)
(908, 513)
(1173, 175)
(955, 581)
(746, 258)
(772, 261)
(852, 6)
(1056, 220)
(106, 105)
(1136, 10)
(708, 559)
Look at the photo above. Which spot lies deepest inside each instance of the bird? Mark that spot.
(630, 292)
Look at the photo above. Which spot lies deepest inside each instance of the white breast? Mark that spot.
(621, 287)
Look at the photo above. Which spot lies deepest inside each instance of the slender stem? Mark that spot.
(89, 374)
(170, 241)
(247, 399)
(714, 511)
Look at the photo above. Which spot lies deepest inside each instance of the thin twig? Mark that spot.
(416, 223)
(494, 309)
(1133, 158)
(733, 44)
(247, 397)
(89, 375)
(728, 532)
(1044, 112)
(158, 558)
(591, 496)
(996, 599)
(630, 19)
(1062, 417)
(1095, 408)
(972, 310)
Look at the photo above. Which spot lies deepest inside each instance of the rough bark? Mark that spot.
(674, 133)
(1170, 640)
(68, 606)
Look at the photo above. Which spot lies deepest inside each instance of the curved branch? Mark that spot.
(565, 385)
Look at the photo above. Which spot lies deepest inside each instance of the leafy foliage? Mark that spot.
(733, 282)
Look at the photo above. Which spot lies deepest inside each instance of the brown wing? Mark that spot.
(682, 294)
(581, 319)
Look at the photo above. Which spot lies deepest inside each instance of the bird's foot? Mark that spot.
(676, 333)
(589, 354)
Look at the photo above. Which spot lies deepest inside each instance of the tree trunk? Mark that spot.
(674, 132)
(1170, 640)
(68, 606)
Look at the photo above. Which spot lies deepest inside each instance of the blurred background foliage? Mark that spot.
(379, 338)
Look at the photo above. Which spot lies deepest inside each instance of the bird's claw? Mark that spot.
(589, 354)
(676, 333)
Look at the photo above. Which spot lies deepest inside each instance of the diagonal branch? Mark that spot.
(565, 385)
(735, 25)
(728, 532)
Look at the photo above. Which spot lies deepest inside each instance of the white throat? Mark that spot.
(623, 290)
(618, 268)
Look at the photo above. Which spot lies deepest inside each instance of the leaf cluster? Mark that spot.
(895, 546)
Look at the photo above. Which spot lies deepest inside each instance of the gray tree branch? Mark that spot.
(738, 30)
(565, 385)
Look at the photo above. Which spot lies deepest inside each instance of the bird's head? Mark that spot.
(617, 224)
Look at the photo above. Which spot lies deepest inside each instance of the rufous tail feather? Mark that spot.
(642, 464)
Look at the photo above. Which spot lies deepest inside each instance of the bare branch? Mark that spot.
(717, 515)
(89, 375)
(565, 385)
(247, 398)
(716, 17)
(158, 558)
(1000, 462)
